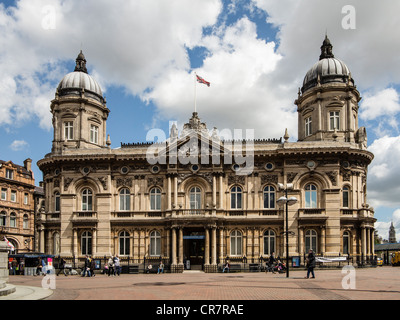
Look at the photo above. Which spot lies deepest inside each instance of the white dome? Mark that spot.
(80, 80)
(327, 70)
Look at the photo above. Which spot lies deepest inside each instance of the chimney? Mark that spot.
(28, 164)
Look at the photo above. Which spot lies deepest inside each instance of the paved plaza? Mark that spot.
(382, 283)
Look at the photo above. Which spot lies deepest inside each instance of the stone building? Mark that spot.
(201, 199)
(17, 205)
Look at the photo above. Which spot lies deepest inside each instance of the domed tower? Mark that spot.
(79, 111)
(328, 102)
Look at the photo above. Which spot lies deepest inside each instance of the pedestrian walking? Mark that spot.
(61, 266)
(117, 266)
(310, 264)
(110, 266)
(14, 266)
(92, 267)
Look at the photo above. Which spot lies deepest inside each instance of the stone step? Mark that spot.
(7, 289)
(2, 284)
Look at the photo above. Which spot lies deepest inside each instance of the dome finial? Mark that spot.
(81, 63)
(326, 49)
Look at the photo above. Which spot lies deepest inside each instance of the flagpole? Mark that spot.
(195, 92)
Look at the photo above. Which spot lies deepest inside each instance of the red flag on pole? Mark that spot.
(201, 80)
(9, 244)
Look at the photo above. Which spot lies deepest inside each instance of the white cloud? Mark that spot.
(128, 44)
(382, 106)
(384, 173)
(19, 145)
(369, 50)
(243, 93)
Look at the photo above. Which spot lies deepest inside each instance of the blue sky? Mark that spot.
(255, 53)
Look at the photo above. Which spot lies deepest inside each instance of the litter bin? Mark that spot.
(296, 262)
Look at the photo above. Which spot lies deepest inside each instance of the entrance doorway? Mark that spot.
(193, 250)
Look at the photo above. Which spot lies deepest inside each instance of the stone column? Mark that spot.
(176, 192)
(169, 205)
(94, 242)
(363, 240)
(221, 194)
(323, 248)
(181, 246)
(214, 192)
(3, 261)
(372, 241)
(75, 243)
(301, 241)
(214, 246)
(368, 241)
(174, 262)
(221, 245)
(42, 244)
(207, 248)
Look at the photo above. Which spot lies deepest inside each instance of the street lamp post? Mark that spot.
(287, 202)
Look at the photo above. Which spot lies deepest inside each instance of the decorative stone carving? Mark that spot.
(291, 176)
(270, 178)
(234, 179)
(332, 175)
(124, 182)
(155, 181)
(67, 182)
(103, 181)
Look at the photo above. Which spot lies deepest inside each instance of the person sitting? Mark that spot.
(160, 268)
(149, 267)
(227, 267)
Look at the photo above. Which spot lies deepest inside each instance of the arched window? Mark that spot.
(269, 242)
(13, 220)
(346, 242)
(155, 199)
(124, 200)
(155, 243)
(346, 193)
(236, 198)
(311, 196)
(87, 200)
(311, 240)
(3, 217)
(56, 243)
(236, 243)
(26, 222)
(269, 197)
(195, 198)
(57, 202)
(86, 243)
(124, 243)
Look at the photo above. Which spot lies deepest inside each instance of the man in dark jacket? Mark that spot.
(310, 264)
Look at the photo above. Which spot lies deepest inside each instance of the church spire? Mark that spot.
(326, 49)
(81, 63)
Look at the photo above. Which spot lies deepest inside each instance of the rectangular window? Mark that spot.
(13, 196)
(334, 120)
(308, 127)
(94, 134)
(69, 130)
(9, 174)
(4, 194)
(25, 198)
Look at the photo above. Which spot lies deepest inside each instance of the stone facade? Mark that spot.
(17, 204)
(191, 199)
